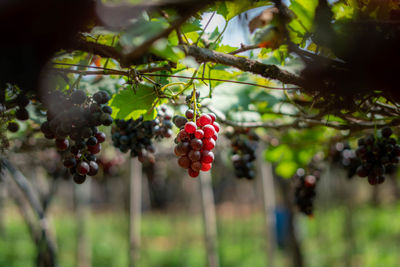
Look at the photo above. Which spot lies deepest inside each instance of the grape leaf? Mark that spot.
(131, 104)
(230, 9)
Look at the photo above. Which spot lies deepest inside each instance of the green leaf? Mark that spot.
(230, 9)
(304, 11)
(222, 9)
(286, 169)
(279, 153)
(130, 105)
(342, 11)
(265, 97)
(163, 49)
(301, 26)
(142, 30)
(225, 48)
(191, 26)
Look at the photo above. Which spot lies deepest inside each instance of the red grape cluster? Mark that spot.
(305, 185)
(72, 120)
(376, 155)
(195, 141)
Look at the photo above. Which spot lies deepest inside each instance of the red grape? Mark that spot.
(216, 126)
(193, 173)
(215, 137)
(93, 168)
(189, 114)
(184, 162)
(206, 167)
(82, 168)
(212, 116)
(79, 179)
(310, 180)
(196, 166)
(183, 136)
(182, 148)
(190, 127)
(62, 144)
(199, 134)
(207, 156)
(101, 137)
(194, 155)
(205, 120)
(94, 149)
(196, 144)
(208, 143)
(209, 131)
(69, 162)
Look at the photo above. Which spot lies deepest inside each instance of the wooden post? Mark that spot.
(209, 219)
(268, 199)
(135, 211)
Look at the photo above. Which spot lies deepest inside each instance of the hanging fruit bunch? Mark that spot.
(305, 186)
(341, 155)
(137, 136)
(196, 138)
(244, 145)
(377, 154)
(72, 120)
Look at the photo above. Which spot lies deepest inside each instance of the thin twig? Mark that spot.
(244, 48)
(205, 27)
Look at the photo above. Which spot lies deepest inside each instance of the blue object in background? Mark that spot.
(281, 226)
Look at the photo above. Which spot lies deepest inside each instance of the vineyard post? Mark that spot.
(268, 200)
(135, 211)
(209, 219)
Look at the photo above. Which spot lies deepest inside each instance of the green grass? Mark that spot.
(177, 239)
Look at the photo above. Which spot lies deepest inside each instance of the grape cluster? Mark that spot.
(195, 141)
(72, 120)
(137, 135)
(305, 189)
(244, 145)
(163, 123)
(13, 103)
(345, 157)
(377, 154)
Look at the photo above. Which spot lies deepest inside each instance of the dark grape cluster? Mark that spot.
(195, 141)
(72, 120)
(377, 154)
(13, 103)
(136, 135)
(163, 123)
(305, 189)
(244, 144)
(342, 155)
